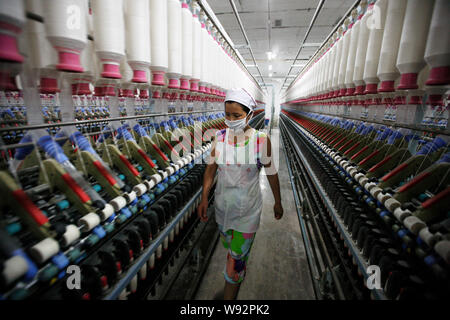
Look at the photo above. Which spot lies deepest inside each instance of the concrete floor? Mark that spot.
(277, 268)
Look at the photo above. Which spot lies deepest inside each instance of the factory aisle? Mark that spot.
(277, 268)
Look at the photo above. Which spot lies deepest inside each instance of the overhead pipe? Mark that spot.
(347, 13)
(316, 13)
(236, 14)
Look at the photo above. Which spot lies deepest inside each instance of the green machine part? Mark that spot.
(436, 175)
(115, 158)
(60, 179)
(16, 199)
(377, 155)
(413, 165)
(84, 161)
(359, 144)
(165, 145)
(134, 151)
(436, 208)
(97, 170)
(388, 163)
(156, 153)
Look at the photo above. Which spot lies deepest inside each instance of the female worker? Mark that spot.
(237, 154)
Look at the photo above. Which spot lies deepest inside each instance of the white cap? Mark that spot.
(241, 96)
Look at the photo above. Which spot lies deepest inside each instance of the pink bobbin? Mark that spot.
(109, 91)
(69, 61)
(139, 76)
(174, 84)
(415, 100)
(156, 94)
(99, 91)
(158, 78)
(49, 85)
(184, 84)
(194, 85)
(386, 86)
(8, 48)
(439, 76)
(408, 81)
(143, 94)
(371, 88)
(111, 71)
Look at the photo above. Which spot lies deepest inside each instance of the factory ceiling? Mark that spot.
(278, 26)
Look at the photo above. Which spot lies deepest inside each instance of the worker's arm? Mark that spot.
(208, 178)
(274, 182)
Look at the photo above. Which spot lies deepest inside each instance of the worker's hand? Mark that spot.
(278, 210)
(201, 210)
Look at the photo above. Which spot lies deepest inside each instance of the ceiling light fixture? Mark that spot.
(270, 55)
(270, 67)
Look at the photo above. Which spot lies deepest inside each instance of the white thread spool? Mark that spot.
(414, 224)
(106, 212)
(337, 64)
(12, 19)
(443, 249)
(186, 49)
(118, 203)
(152, 261)
(88, 60)
(109, 35)
(197, 52)
(329, 83)
(401, 214)
(166, 243)
(437, 52)
(411, 51)
(127, 74)
(181, 163)
(131, 196)
(44, 250)
(205, 53)
(387, 71)
(374, 46)
(71, 235)
(361, 51)
(65, 24)
(140, 189)
(42, 55)
(375, 191)
(174, 42)
(156, 178)
(391, 204)
(163, 175)
(149, 184)
(170, 170)
(158, 41)
(159, 252)
(143, 272)
(133, 284)
(428, 237)
(137, 20)
(215, 61)
(89, 221)
(13, 269)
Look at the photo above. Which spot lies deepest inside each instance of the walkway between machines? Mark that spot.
(277, 268)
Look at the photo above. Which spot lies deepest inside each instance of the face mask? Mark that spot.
(237, 125)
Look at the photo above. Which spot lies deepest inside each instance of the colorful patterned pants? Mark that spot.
(238, 245)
